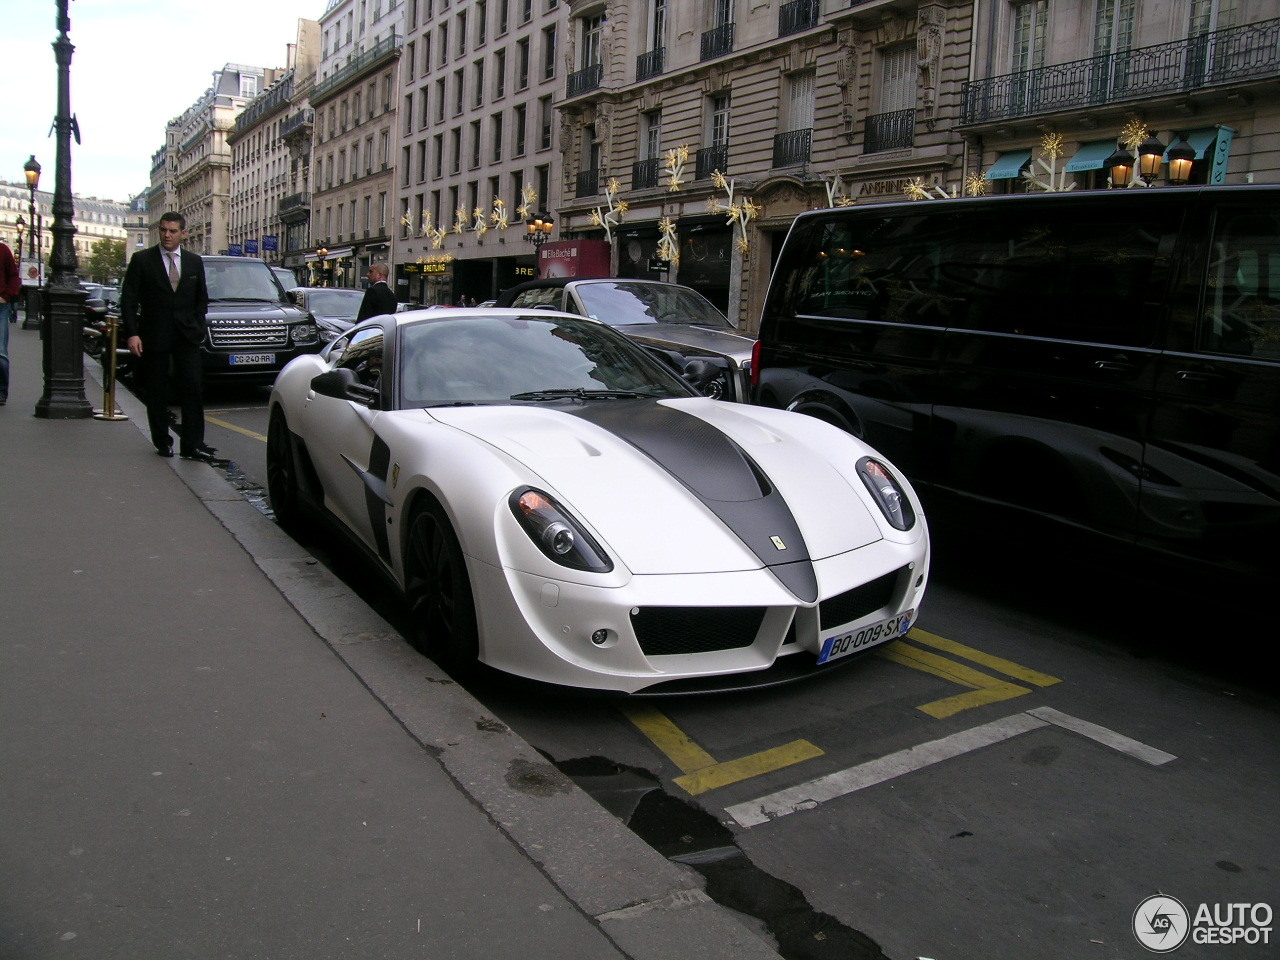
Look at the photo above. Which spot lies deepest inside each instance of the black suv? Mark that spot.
(253, 328)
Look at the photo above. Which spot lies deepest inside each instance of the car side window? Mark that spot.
(1060, 272)
(546, 298)
(363, 356)
(1241, 314)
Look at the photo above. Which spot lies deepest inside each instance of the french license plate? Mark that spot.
(245, 359)
(843, 644)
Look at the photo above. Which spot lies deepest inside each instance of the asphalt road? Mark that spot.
(1054, 742)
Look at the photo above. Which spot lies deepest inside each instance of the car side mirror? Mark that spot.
(703, 373)
(341, 384)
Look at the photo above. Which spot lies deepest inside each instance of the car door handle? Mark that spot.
(1115, 366)
(1199, 376)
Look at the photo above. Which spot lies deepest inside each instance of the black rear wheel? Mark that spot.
(438, 592)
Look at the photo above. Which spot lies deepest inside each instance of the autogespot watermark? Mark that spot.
(1162, 924)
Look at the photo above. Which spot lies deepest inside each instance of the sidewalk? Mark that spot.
(212, 749)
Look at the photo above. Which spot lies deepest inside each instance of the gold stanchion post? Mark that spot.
(109, 410)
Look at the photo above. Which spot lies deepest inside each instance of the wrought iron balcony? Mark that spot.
(588, 183)
(1213, 59)
(355, 66)
(294, 208)
(644, 173)
(889, 131)
(796, 16)
(300, 122)
(792, 148)
(585, 80)
(650, 64)
(717, 42)
(711, 159)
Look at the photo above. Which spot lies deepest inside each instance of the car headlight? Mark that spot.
(887, 493)
(302, 332)
(557, 533)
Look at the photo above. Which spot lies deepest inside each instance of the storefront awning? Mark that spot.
(1009, 165)
(1091, 156)
(1199, 140)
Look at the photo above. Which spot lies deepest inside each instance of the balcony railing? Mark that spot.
(889, 131)
(298, 122)
(711, 159)
(717, 42)
(356, 65)
(796, 16)
(644, 173)
(588, 183)
(1212, 59)
(650, 64)
(585, 80)
(792, 148)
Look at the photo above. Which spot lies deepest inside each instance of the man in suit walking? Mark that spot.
(378, 299)
(163, 302)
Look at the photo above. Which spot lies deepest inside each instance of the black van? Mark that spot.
(1108, 360)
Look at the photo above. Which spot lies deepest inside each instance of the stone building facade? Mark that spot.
(352, 140)
(263, 168)
(202, 155)
(477, 149)
(1082, 72)
(790, 103)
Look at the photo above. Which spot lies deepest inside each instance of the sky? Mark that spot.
(137, 64)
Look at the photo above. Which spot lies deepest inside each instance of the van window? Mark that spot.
(1058, 271)
(1241, 314)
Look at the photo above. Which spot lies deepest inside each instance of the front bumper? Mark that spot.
(679, 633)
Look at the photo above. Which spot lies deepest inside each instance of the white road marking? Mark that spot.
(1117, 741)
(808, 795)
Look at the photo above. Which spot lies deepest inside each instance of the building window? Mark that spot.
(522, 64)
(522, 118)
(500, 74)
(1030, 21)
(549, 53)
(475, 144)
(495, 136)
(462, 33)
(478, 70)
(482, 17)
(546, 116)
(439, 156)
(458, 83)
(794, 144)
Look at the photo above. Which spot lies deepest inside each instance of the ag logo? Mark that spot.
(1161, 924)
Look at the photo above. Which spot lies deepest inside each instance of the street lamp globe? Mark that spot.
(32, 169)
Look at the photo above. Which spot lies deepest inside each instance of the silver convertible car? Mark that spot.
(554, 502)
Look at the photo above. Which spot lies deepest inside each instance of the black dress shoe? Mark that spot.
(202, 452)
(164, 451)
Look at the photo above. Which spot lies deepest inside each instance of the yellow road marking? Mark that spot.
(701, 770)
(231, 426)
(1007, 667)
(985, 688)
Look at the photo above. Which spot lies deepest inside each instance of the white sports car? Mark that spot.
(555, 503)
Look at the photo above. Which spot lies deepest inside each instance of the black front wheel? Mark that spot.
(438, 592)
(282, 472)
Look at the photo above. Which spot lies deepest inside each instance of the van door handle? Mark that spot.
(1114, 366)
(1199, 376)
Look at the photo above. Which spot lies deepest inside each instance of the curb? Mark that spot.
(650, 907)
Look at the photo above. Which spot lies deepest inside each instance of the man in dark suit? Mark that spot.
(163, 302)
(378, 299)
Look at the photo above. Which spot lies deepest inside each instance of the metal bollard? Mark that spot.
(109, 410)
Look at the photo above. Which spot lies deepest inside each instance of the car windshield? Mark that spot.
(487, 359)
(620, 304)
(240, 280)
(335, 303)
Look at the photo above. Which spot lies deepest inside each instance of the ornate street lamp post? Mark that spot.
(536, 232)
(63, 397)
(31, 321)
(321, 253)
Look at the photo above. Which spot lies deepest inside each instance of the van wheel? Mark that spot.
(438, 592)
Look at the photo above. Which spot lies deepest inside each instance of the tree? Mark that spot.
(106, 261)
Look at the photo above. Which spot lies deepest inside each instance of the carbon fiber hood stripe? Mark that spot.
(721, 475)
